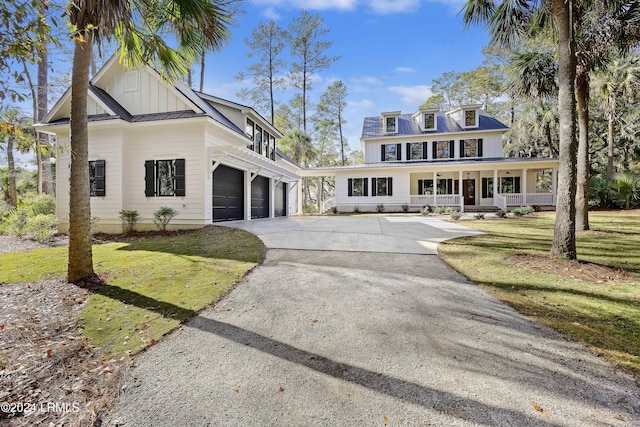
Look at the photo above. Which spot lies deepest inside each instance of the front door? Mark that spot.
(469, 191)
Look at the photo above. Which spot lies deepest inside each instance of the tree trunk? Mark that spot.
(80, 255)
(582, 167)
(45, 182)
(564, 234)
(202, 71)
(611, 128)
(11, 174)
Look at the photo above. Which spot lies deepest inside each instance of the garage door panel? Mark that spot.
(228, 194)
(260, 197)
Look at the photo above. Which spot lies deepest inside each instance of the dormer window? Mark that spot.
(390, 124)
(429, 121)
(470, 118)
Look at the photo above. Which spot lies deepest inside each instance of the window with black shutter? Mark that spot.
(164, 178)
(97, 178)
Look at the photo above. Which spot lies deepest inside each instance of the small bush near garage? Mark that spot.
(163, 216)
(380, 208)
(501, 213)
(405, 208)
(42, 227)
(334, 210)
(455, 215)
(523, 211)
(479, 216)
(426, 210)
(129, 219)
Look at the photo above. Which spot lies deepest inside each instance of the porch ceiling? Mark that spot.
(244, 159)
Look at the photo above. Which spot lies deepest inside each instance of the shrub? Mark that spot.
(426, 210)
(405, 208)
(17, 221)
(39, 205)
(163, 216)
(523, 211)
(380, 208)
(626, 189)
(129, 219)
(501, 213)
(600, 192)
(5, 208)
(356, 208)
(479, 216)
(334, 209)
(455, 215)
(309, 209)
(42, 226)
(438, 210)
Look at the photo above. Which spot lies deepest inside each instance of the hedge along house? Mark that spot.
(438, 158)
(153, 144)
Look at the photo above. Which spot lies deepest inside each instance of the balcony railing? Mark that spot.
(500, 200)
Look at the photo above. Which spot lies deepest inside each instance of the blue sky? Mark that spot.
(391, 50)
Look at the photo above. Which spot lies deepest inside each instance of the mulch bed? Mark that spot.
(581, 270)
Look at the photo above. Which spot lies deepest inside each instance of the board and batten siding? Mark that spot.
(166, 141)
(141, 92)
(106, 144)
(369, 203)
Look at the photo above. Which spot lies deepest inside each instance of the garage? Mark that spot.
(280, 199)
(228, 194)
(260, 197)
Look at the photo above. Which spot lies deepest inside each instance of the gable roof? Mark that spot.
(372, 126)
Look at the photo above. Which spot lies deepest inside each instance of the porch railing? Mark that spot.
(544, 199)
(439, 200)
(500, 202)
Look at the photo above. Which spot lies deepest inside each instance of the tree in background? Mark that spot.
(308, 51)
(330, 113)
(268, 43)
(197, 25)
(299, 146)
(15, 134)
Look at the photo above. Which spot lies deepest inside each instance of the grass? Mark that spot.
(603, 314)
(152, 284)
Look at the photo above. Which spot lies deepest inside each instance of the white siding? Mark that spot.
(368, 203)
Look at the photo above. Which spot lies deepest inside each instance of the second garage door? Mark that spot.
(228, 194)
(260, 197)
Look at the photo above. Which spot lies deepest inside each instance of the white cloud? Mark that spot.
(309, 4)
(412, 95)
(271, 14)
(364, 103)
(404, 70)
(385, 7)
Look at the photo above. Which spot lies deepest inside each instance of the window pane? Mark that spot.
(442, 150)
(506, 185)
(487, 188)
(249, 128)
(429, 121)
(165, 178)
(444, 187)
(427, 187)
(390, 124)
(391, 152)
(415, 151)
(259, 139)
(381, 186)
(357, 189)
(470, 118)
(470, 148)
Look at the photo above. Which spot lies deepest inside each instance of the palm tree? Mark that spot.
(299, 146)
(136, 25)
(508, 23)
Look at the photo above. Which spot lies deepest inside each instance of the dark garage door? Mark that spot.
(228, 194)
(280, 202)
(260, 197)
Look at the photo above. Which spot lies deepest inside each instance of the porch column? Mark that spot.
(495, 185)
(299, 208)
(460, 191)
(523, 187)
(554, 185)
(435, 189)
(272, 192)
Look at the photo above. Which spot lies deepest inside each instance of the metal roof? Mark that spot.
(372, 126)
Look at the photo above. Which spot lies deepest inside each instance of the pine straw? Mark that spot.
(44, 359)
(581, 270)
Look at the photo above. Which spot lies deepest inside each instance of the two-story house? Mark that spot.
(154, 144)
(438, 158)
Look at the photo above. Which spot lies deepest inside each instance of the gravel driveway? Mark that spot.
(337, 338)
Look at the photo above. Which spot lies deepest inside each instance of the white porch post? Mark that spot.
(299, 208)
(523, 186)
(495, 185)
(272, 192)
(554, 185)
(460, 191)
(247, 195)
(435, 189)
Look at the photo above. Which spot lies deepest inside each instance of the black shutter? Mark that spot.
(350, 185)
(409, 156)
(451, 149)
(479, 147)
(420, 187)
(374, 189)
(180, 177)
(100, 178)
(399, 152)
(389, 186)
(456, 185)
(461, 148)
(149, 178)
(434, 154)
(382, 153)
(365, 186)
(424, 149)
(516, 184)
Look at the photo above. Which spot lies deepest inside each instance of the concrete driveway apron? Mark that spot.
(366, 327)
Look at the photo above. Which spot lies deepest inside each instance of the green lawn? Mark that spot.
(153, 284)
(603, 312)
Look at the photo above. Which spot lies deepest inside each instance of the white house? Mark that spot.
(153, 144)
(439, 158)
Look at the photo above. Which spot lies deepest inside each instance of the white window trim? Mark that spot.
(386, 129)
(435, 122)
(464, 118)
